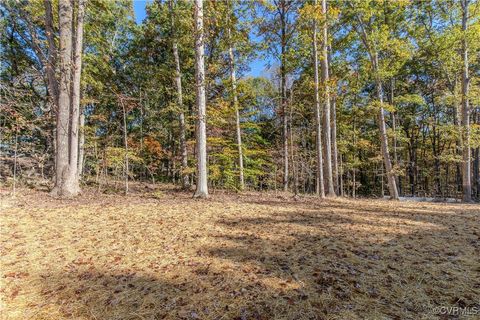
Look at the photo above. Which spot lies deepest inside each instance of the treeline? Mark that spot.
(367, 98)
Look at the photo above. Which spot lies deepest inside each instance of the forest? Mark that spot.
(239, 159)
(375, 98)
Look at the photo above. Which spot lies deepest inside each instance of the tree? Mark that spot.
(201, 132)
(74, 160)
(235, 107)
(319, 186)
(404, 71)
(373, 32)
(466, 150)
(67, 179)
(178, 82)
(279, 35)
(326, 98)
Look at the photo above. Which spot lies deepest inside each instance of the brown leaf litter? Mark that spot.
(246, 256)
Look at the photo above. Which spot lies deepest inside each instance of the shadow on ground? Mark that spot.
(273, 260)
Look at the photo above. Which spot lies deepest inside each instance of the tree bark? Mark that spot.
(52, 54)
(202, 187)
(330, 192)
(354, 169)
(63, 111)
(466, 150)
(15, 153)
(436, 149)
(392, 185)
(73, 175)
(125, 143)
(334, 147)
(292, 149)
(319, 185)
(476, 170)
(237, 112)
(393, 116)
(373, 55)
(283, 90)
(178, 83)
(81, 144)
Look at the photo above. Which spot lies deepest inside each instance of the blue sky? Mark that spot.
(257, 67)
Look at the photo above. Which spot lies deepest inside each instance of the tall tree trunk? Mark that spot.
(326, 110)
(319, 186)
(202, 187)
(392, 185)
(125, 144)
(292, 149)
(373, 55)
(52, 54)
(63, 111)
(476, 170)
(73, 176)
(335, 159)
(15, 153)
(393, 116)
(457, 122)
(466, 150)
(81, 143)
(334, 146)
(178, 83)
(435, 149)
(341, 189)
(237, 112)
(354, 169)
(283, 90)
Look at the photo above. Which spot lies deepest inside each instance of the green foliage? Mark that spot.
(417, 43)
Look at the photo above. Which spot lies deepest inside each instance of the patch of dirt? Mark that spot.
(163, 255)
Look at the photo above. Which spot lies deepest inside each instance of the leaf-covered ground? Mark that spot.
(249, 256)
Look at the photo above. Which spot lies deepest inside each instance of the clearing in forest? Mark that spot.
(248, 256)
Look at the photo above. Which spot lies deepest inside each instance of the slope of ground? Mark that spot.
(249, 256)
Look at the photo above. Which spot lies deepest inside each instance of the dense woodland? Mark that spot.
(360, 98)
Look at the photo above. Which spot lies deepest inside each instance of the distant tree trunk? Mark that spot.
(292, 149)
(341, 189)
(335, 159)
(435, 150)
(202, 187)
(476, 167)
(283, 89)
(354, 169)
(476, 170)
(393, 116)
(319, 186)
(81, 143)
(354, 186)
(73, 175)
(15, 159)
(63, 110)
(326, 110)
(178, 82)
(237, 113)
(125, 143)
(334, 146)
(466, 150)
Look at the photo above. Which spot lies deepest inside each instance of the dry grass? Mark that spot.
(248, 256)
